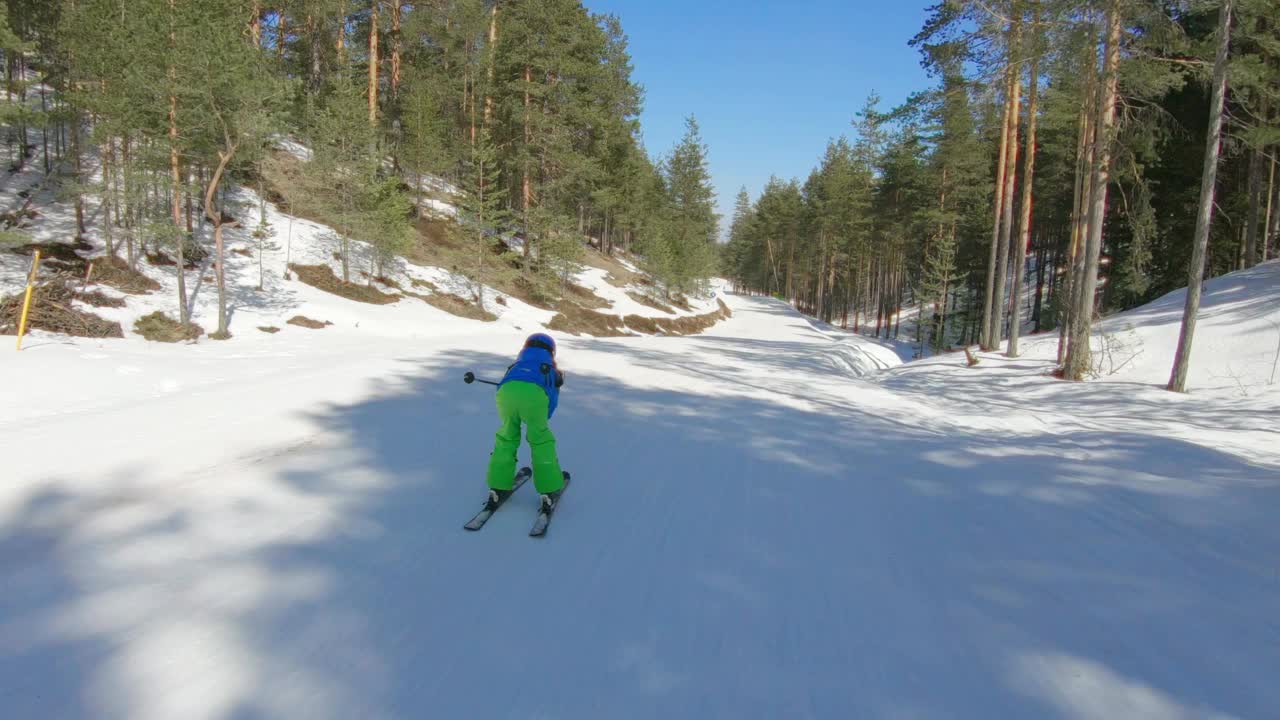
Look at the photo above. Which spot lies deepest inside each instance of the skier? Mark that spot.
(528, 394)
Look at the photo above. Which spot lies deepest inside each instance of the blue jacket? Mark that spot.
(535, 365)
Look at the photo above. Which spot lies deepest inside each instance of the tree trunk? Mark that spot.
(44, 126)
(175, 169)
(1204, 218)
(341, 44)
(180, 239)
(1066, 304)
(75, 150)
(1254, 217)
(831, 284)
(188, 202)
(526, 189)
(996, 318)
(397, 47)
(1240, 248)
(946, 288)
(1257, 164)
(469, 97)
(900, 298)
(492, 50)
(124, 208)
(117, 194)
(17, 62)
(317, 66)
(773, 263)
(262, 221)
(104, 209)
(1078, 355)
(80, 196)
(998, 212)
(255, 24)
(791, 262)
(373, 64)
(1041, 259)
(1269, 246)
(822, 274)
(215, 217)
(282, 32)
(1024, 233)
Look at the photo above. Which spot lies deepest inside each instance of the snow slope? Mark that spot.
(756, 530)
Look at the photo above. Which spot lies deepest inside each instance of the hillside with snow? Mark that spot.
(265, 291)
(771, 519)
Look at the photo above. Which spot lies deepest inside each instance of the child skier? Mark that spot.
(528, 394)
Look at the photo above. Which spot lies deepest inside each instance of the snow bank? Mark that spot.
(1237, 340)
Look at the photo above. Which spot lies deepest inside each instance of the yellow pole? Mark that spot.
(26, 301)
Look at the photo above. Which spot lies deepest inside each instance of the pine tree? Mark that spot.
(692, 221)
(483, 216)
(342, 169)
(230, 97)
(1204, 218)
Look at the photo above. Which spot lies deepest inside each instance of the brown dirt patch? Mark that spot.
(159, 327)
(619, 275)
(454, 305)
(17, 218)
(160, 259)
(522, 289)
(269, 329)
(647, 301)
(52, 310)
(97, 298)
(58, 254)
(244, 252)
(306, 322)
(584, 297)
(642, 324)
(322, 277)
(115, 272)
(437, 245)
(679, 326)
(577, 320)
(190, 259)
(65, 259)
(389, 282)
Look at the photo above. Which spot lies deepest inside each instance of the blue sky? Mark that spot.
(769, 81)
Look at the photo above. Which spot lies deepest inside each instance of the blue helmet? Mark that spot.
(542, 340)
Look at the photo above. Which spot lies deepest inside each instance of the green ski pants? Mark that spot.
(522, 402)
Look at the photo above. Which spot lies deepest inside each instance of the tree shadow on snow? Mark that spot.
(727, 555)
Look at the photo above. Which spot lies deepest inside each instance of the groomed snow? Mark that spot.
(762, 525)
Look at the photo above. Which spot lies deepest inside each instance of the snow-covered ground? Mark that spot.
(773, 519)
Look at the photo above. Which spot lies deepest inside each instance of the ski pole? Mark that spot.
(471, 377)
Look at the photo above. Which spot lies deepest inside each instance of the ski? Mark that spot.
(544, 514)
(487, 511)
